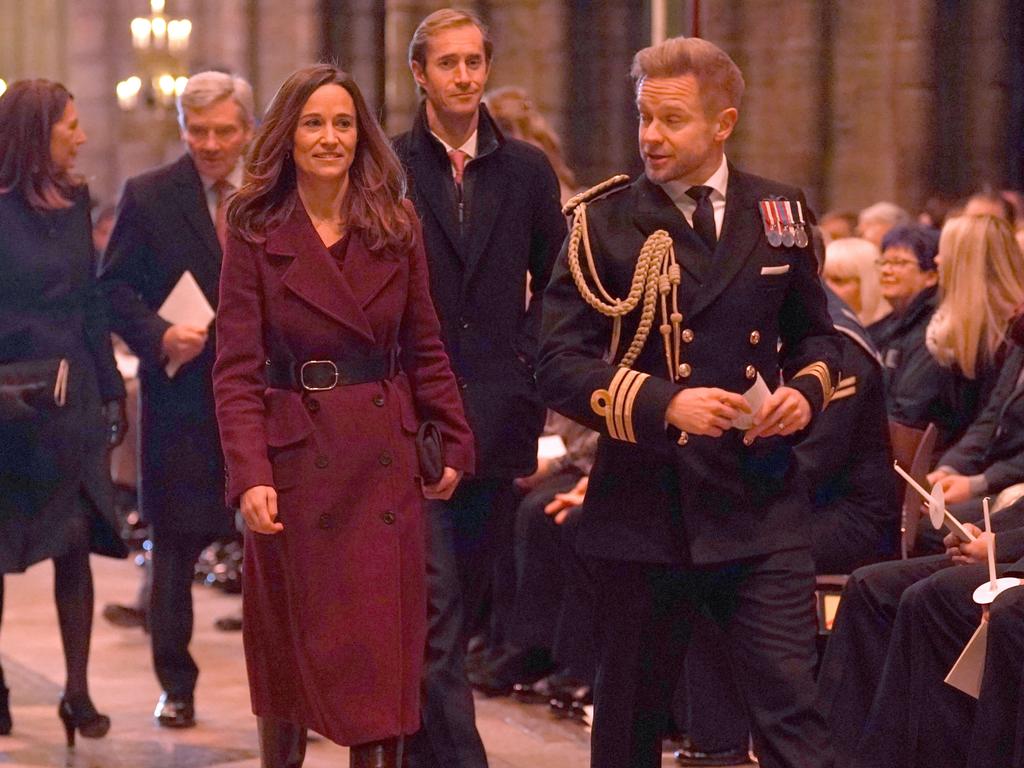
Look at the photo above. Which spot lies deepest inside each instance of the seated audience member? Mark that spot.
(900, 627)
(936, 210)
(518, 118)
(526, 651)
(836, 225)
(851, 270)
(846, 461)
(919, 388)
(876, 220)
(988, 202)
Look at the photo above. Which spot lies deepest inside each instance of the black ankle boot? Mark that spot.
(282, 744)
(78, 713)
(5, 711)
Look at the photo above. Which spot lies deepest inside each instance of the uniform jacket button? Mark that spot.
(312, 405)
(751, 372)
(685, 370)
(378, 400)
(385, 459)
(755, 338)
(388, 518)
(325, 521)
(687, 335)
(321, 462)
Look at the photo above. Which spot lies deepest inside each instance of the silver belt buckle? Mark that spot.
(302, 375)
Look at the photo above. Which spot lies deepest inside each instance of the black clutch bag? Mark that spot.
(430, 451)
(30, 386)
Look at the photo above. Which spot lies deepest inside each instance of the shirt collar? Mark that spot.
(469, 147)
(719, 182)
(234, 178)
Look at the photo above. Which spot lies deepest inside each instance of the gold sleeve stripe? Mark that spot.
(819, 370)
(615, 404)
(839, 394)
(846, 382)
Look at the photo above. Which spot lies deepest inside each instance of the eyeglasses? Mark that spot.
(896, 263)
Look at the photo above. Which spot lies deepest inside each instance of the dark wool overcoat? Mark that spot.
(335, 604)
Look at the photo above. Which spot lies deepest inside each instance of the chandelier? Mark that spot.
(161, 52)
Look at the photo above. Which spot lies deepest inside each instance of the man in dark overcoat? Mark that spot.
(171, 221)
(491, 221)
(684, 513)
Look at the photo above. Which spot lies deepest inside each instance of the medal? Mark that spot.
(788, 230)
(801, 230)
(769, 217)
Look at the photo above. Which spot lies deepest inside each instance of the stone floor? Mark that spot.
(123, 686)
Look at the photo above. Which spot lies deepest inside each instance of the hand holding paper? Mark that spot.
(782, 412)
(705, 410)
(190, 314)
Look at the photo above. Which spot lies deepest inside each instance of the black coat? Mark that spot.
(846, 459)
(164, 228)
(50, 308)
(994, 443)
(918, 389)
(711, 500)
(512, 228)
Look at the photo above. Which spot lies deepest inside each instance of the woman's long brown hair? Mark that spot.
(28, 111)
(373, 206)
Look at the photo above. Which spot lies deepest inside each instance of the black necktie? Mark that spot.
(704, 216)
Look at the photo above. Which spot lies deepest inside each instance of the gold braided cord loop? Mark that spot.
(653, 274)
(594, 192)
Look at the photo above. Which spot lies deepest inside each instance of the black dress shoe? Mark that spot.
(175, 713)
(124, 615)
(692, 756)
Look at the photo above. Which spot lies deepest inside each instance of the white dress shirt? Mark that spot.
(234, 179)
(719, 183)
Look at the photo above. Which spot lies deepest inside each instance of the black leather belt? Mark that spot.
(320, 375)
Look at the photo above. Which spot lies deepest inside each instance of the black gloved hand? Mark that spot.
(116, 420)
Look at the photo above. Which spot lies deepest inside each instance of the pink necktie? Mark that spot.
(458, 158)
(223, 190)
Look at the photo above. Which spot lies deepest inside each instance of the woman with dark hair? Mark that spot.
(61, 397)
(328, 354)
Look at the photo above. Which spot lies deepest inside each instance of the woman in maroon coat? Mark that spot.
(328, 356)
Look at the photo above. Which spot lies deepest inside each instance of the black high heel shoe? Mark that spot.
(5, 711)
(79, 713)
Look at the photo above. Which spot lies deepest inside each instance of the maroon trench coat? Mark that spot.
(335, 604)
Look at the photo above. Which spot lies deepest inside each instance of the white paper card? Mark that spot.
(966, 673)
(186, 305)
(755, 397)
(550, 447)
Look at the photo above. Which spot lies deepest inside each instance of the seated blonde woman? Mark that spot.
(851, 271)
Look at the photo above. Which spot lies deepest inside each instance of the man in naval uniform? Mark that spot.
(674, 295)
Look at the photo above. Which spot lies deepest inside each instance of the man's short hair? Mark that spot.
(919, 239)
(446, 18)
(884, 212)
(721, 82)
(206, 88)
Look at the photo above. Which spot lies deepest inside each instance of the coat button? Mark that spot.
(385, 459)
(683, 438)
(312, 404)
(755, 338)
(388, 518)
(321, 462)
(464, 323)
(378, 400)
(463, 384)
(685, 370)
(751, 372)
(687, 335)
(325, 521)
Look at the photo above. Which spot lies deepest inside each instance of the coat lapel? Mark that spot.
(435, 186)
(740, 232)
(314, 275)
(486, 193)
(366, 274)
(655, 210)
(192, 203)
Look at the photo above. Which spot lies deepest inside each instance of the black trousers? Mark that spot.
(766, 610)
(170, 609)
(465, 535)
(575, 649)
(915, 718)
(856, 652)
(708, 705)
(998, 735)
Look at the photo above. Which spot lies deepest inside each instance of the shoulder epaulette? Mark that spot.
(617, 181)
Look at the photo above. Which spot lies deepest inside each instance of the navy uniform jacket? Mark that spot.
(512, 227)
(711, 500)
(164, 228)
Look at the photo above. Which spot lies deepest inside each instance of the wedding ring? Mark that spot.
(782, 426)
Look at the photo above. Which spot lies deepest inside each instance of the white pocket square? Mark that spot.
(780, 270)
